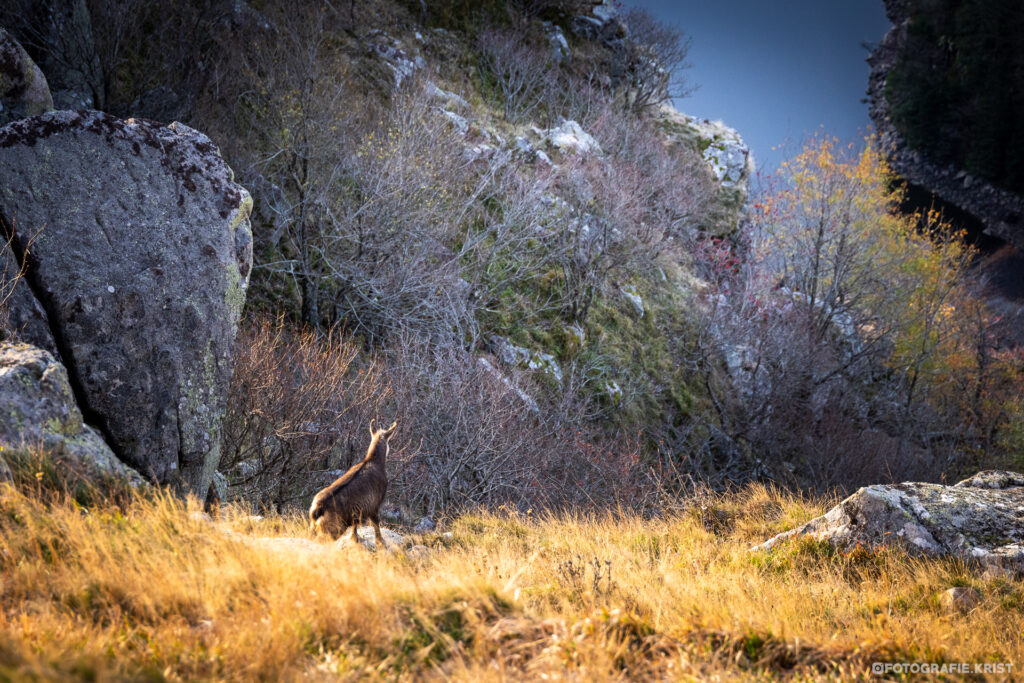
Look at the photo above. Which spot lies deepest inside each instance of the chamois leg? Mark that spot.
(376, 533)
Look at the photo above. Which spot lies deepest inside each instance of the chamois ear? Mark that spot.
(372, 433)
(390, 430)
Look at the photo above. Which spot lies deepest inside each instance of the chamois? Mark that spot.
(357, 494)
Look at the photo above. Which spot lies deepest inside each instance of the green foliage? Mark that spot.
(957, 91)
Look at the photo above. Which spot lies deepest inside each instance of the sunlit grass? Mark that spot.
(153, 590)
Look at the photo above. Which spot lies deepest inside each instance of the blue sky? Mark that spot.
(777, 70)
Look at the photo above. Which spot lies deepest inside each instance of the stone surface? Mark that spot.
(219, 487)
(556, 40)
(23, 88)
(981, 518)
(569, 136)
(601, 24)
(460, 122)
(1000, 211)
(22, 318)
(418, 552)
(959, 599)
(722, 148)
(527, 400)
(727, 156)
(633, 296)
(39, 409)
(402, 62)
(518, 356)
(140, 261)
(450, 99)
(392, 538)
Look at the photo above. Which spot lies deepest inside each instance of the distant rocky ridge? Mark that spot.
(1000, 211)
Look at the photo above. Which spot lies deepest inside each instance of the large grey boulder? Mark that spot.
(980, 518)
(39, 409)
(23, 88)
(141, 258)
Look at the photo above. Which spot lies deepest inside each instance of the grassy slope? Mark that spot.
(155, 592)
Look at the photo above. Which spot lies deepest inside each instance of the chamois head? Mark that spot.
(379, 439)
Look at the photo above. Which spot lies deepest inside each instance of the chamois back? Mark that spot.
(356, 496)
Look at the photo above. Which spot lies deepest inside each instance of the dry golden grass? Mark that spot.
(153, 591)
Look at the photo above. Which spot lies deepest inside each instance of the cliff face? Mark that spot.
(937, 170)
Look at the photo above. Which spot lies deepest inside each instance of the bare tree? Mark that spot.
(653, 57)
(627, 210)
(513, 70)
(297, 411)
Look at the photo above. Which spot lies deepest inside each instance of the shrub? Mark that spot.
(653, 57)
(856, 347)
(298, 412)
(513, 71)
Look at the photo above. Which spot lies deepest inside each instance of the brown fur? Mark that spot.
(356, 495)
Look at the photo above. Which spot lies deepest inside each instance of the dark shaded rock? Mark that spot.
(22, 318)
(981, 518)
(161, 103)
(72, 64)
(23, 88)
(39, 409)
(601, 24)
(140, 261)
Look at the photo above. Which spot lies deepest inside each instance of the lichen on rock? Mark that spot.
(980, 519)
(39, 410)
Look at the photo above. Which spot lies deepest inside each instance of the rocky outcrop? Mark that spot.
(601, 24)
(981, 518)
(39, 409)
(23, 88)
(570, 138)
(1000, 211)
(140, 261)
(728, 157)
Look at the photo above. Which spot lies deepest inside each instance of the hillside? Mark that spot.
(653, 415)
(491, 225)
